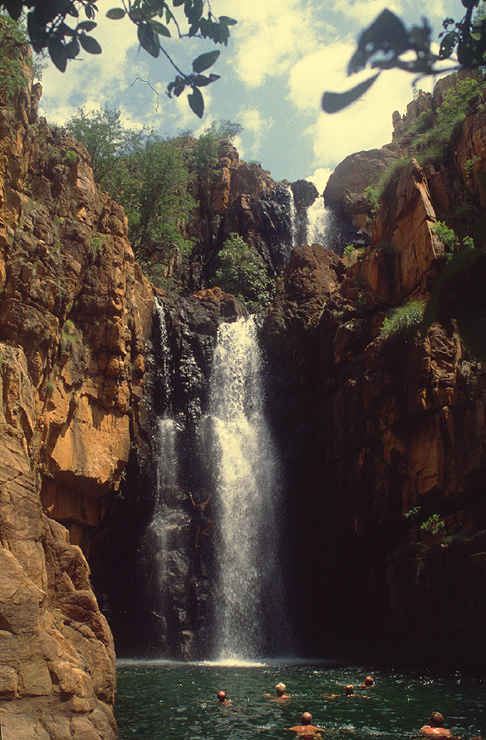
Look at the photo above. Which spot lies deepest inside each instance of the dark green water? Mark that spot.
(160, 700)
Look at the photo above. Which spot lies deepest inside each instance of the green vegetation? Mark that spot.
(433, 525)
(13, 70)
(372, 196)
(154, 180)
(70, 157)
(432, 145)
(413, 512)
(403, 321)
(431, 135)
(106, 139)
(451, 241)
(71, 337)
(243, 272)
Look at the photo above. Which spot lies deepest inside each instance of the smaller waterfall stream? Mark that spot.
(249, 609)
(293, 218)
(319, 221)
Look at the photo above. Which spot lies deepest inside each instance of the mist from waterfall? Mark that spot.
(249, 609)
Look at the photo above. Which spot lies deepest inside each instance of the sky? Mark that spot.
(282, 56)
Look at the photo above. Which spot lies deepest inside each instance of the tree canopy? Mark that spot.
(55, 26)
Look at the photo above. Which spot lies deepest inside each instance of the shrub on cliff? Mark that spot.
(14, 62)
(403, 322)
(149, 176)
(243, 272)
(107, 140)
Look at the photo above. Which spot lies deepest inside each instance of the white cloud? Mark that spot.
(94, 79)
(270, 36)
(254, 123)
(365, 11)
(318, 71)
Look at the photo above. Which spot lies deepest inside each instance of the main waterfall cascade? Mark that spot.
(237, 564)
(250, 613)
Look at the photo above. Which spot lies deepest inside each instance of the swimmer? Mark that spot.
(436, 727)
(223, 700)
(306, 729)
(280, 695)
(348, 693)
(368, 682)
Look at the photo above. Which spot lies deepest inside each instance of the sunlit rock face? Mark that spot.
(75, 312)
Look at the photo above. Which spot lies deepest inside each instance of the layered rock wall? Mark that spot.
(75, 313)
(391, 440)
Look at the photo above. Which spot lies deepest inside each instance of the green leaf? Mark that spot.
(227, 21)
(160, 28)
(202, 80)
(86, 25)
(57, 52)
(447, 45)
(89, 44)
(115, 14)
(386, 34)
(148, 39)
(37, 33)
(205, 61)
(14, 8)
(196, 101)
(177, 3)
(72, 49)
(334, 102)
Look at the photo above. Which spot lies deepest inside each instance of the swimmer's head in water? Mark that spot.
(280, 689)
(368, 681)
(348, 690)
(436, 719)
(222, 696)
(306, 718)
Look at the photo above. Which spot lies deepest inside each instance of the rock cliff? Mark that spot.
(75, 312)
(386, 471)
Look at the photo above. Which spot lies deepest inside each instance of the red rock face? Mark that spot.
(74, 315)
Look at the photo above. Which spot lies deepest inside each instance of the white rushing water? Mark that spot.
(249, 608)
(167, 461)
(319, 219)
(293, 218)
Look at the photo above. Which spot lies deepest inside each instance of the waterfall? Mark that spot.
(293, 218)
(168, 516)
(249, 601)
(319, 220)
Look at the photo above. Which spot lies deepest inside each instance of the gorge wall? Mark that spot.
(384, 436)
(369, 429)
(75, 312)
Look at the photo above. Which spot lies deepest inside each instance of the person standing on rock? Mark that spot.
(202, 522)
